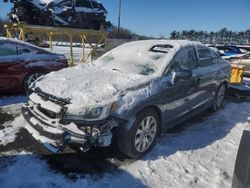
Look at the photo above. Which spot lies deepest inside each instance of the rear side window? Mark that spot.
(215, 57)
(205, 57)
(7, 49)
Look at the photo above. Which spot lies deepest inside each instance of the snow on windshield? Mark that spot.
(138, 57)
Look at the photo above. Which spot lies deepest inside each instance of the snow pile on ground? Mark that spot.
(202, 155)
(8, 133)
(11, 106)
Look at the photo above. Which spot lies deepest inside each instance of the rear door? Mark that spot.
(206, 73)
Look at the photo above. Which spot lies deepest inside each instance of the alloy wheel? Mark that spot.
(145, 134)
(31, 78)
(220, 96)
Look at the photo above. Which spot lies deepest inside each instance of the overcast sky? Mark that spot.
(160, 17)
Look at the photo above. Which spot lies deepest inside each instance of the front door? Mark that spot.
(180, 96)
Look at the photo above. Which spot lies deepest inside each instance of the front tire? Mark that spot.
(139, 139)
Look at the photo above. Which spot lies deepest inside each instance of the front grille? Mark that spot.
(49, 113)
(46, 97)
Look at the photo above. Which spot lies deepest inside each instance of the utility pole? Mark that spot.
(119, 18)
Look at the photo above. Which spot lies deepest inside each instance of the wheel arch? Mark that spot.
(225, 82)
(29, 73)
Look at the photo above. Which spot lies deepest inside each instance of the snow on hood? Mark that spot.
(88, 85)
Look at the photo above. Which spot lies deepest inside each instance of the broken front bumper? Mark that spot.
(56, 137)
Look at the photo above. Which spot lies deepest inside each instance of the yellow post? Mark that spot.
(8, 33)
(51, 31)
(83, 48)
(22, 34)
(71, 50)
(50, 40)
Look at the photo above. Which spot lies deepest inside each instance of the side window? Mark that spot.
(23, 51)
(7, 49)
(185, 59)
(205, 57)
(215, 57)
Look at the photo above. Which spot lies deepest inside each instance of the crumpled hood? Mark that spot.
(89, 85)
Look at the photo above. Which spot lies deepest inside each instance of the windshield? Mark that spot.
(135, 59)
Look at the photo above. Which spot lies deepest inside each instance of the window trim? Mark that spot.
(199, 59)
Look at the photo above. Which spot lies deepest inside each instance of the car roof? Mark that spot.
(165, 41)
(171, 46)
(4, 39)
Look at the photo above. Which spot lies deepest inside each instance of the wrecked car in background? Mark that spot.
(131, 93)
(22, 63)
(85, 14)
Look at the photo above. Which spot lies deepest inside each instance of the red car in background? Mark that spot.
(22, 63)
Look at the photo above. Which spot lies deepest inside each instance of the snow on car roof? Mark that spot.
(142, 57)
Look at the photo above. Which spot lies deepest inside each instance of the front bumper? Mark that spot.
(56, 137)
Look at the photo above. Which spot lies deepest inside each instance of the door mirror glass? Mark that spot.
(183, 74)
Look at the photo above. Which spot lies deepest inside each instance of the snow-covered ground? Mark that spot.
(201, 153)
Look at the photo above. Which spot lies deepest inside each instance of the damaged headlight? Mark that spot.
(94, 114)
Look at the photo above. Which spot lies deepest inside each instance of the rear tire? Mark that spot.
(219, 98)
(140, 138)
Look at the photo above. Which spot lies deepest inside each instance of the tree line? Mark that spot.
(223, 36)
